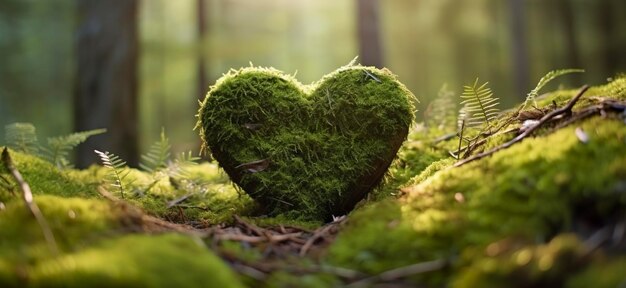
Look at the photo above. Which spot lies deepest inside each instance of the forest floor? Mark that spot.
(538, 202)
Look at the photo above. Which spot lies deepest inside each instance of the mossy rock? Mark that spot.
(313, 150)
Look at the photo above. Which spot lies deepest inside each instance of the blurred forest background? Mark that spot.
(135, 66)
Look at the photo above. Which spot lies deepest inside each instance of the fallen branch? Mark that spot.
(318, 234)
(257, 239)
(564, 110)
(402, 272)
(256, 230)
(27, 195)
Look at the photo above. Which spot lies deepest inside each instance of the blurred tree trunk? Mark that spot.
(519, 46)
(203, 84)
(565, 10)
(105, 94)
(608, 35)
(368, 25)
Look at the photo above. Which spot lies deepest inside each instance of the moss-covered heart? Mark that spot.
(315, 150)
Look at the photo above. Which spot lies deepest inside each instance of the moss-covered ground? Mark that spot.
(549, 211)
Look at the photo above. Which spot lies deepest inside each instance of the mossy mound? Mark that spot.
(212, 199)
(313, 150)
(97, 251)
(557, 188)
(45, 178)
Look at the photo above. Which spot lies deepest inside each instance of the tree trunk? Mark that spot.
(566, 11)
(520, 49)
(105, 94)
(203, 84)
(609, 47)
(369, 33)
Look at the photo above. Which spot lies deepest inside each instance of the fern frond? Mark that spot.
(59, 147)
(177, 167)
(158, 155)
(533, 94)
(442, 111)
(462, 119)
(22, 137)
(117, 168)
(479, 105)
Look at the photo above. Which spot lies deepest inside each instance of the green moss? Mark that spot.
(212, 198)
(168, 260)
(284, 280)
(327, 144)
(603, 274)
(45, 178)
(533, 190)
(509, 264)
(74, 221)
(96, 251)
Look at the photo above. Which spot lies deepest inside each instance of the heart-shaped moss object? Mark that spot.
(315, 150)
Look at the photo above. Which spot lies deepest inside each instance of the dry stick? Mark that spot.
(317, 235)
(601, 107)
(458, 152)
(402, 272)
(256, 230)
(257, 239)
(566, 109)
(28, 200)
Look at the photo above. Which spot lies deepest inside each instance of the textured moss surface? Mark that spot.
(168, 260)
(97, 251)
(321, 147)
(538, 191)
(533, 215)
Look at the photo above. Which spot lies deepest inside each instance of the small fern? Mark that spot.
(177, 167)
(441, 111)
(22, 137)
(158, 155)
(533, 94)
(59, 147)
(117, 168)
(479, 106)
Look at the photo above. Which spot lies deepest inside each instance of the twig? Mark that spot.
(566, 109)
(256, 230)
(600, 108)
(597, 239)
(178, 200)
(27, 195)
(398, 273)
(317, 235)
(444, 138)
(257, 239)
(458, 151)
(249, 271)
